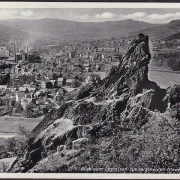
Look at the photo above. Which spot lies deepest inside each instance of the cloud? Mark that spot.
(106, 15)
(164, 16)
(139, 16)
(27, 13)
(7, 14)
(153, 18)
(15, 13)
(113, 16)
(79, 17)
(135, 15)
(85, 17)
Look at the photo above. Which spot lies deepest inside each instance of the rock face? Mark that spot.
(120, 122)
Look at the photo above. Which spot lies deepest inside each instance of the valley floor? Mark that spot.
(9, 125)
(162, 76)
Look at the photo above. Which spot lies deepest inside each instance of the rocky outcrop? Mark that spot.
(110, 122)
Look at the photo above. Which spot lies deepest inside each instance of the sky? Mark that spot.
(151, 15)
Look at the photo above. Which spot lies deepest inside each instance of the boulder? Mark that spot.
(60, 148)
(79, 143)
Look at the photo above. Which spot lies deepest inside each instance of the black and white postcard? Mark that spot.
(89, 90)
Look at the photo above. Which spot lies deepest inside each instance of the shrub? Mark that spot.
(10, 144)
(18, 143)
(17, 108)
(169, 60)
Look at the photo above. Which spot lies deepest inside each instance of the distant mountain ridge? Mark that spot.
(72, 29)
(52, 30)
(163, 31)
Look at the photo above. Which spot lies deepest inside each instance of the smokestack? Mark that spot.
(15, 51)
(27, 53)
(9, 52)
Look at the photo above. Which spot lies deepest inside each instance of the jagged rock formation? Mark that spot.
(121, 122)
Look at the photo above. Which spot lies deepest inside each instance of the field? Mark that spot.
(164, 79)
(9, 127)
(10, 124)
(162, 76)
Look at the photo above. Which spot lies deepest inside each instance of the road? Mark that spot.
(162, 76)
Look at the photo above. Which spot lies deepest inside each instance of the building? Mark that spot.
(50, 75)
(60, 81)
(11, 59)
(97, 67)
(38, 77)
(72, 83)
(86, 67)
(43, 84)
(26, 78)
(28, 96)
(32, 88)
(107, 68)
(155, 48)
(102, 56)
(3, 87)
(22, 89)
(47, 84)
(71, 67)
(4, 53)
(69, 54)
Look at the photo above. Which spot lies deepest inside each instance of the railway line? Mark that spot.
(167, 71)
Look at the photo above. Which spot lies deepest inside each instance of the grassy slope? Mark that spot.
(162, 76)
(161, 31)
(146, 148)
(6, 162)
(11, 124)
(164, 79)
(10, 33)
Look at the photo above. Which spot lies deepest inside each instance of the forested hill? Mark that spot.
(58, 28)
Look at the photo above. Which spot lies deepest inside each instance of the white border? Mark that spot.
(89, 176)
(4, 5)
(86, 5)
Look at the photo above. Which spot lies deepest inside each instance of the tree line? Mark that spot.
(169, 60)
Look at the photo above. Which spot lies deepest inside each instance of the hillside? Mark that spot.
(120, 124)
(51, 30)
(58, 28)
(175, 36)
(175, 24)
(163, 31)
(11, 34)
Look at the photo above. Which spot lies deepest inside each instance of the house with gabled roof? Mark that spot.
(60, 81)
(86, 67)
